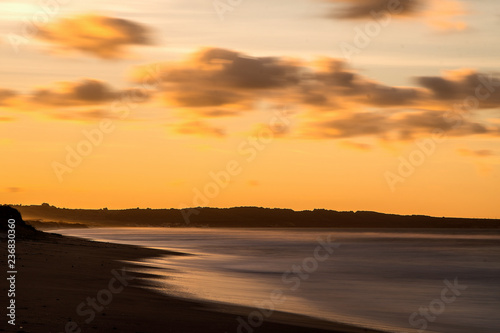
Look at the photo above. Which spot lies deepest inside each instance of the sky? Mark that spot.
(382, 105)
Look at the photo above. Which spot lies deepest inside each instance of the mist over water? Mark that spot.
(373, 278)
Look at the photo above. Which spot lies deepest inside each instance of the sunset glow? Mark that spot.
(303, 104)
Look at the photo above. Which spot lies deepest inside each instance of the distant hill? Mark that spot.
(49, 217)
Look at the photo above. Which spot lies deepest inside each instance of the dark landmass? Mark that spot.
(66, 284)
(49, 217)
(49, 225)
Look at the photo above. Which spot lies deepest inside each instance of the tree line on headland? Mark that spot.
(46, 216)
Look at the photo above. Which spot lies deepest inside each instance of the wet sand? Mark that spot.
(66, 284)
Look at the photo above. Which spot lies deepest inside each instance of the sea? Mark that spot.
(395, 280)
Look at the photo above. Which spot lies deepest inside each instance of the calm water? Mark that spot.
(370, 278)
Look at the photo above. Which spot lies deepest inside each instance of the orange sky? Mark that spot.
(307, 104)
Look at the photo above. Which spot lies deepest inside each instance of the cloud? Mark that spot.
(395, 126)
(381, 95)
(424, 122)
(443, 15)
(477, 153)
(222, 68)
(205, 97)
(83, 92)
(463, 84)
(86, 115)
(216, 82)
(332, 81)
(335, 100)
(235, 69)
(198, 128)
(84, 100)
(481, 158)
(220, 78)
(357, 124)
(219, 112)
(13, 189)
(360, 9)
(99, 36)
(7, 96)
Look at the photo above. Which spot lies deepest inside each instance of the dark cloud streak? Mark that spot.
(361, 9)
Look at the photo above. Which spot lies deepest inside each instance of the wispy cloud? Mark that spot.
(443, 15)
(83, 92)
(13, 189)
(361, 9)
(86, 99)
(7, 96)
(99, 36)
(459, 84)
(477, 152)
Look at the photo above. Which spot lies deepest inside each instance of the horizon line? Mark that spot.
(259, 207)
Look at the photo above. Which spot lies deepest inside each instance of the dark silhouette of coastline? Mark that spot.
(49, 217)
(21, 229)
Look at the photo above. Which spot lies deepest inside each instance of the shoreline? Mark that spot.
(67, 284)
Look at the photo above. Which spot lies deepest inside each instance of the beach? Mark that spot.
(377, 279)
(67, 284)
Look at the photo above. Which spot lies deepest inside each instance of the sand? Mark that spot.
(66, 284)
